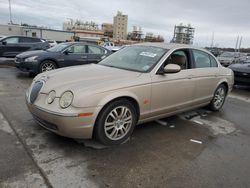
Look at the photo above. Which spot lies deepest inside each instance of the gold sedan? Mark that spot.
(137, 84)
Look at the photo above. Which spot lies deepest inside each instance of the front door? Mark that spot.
(10, 47)
(173, 91)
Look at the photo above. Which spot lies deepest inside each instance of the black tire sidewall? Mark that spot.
(46, 61)
(211, 105)
(99, 133)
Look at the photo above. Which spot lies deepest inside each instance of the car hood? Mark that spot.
(32, 53)
(89, 79)
(240, 67)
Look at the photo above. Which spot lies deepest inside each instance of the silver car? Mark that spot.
(137, 84)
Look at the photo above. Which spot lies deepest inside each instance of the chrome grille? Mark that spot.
(35, 91)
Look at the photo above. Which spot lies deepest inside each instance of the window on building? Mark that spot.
(33, 34)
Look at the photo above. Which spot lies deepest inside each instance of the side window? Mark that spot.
(11, 40)
(25, 40)
(77, 49)
(95, 50)
(178, 57)
(202, 59)
(213, 62)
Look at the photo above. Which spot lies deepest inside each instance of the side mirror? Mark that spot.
(4, 43)
(172, 68)
(66, 52)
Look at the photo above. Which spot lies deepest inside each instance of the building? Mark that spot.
(136, 34)
(35, 31)
(107, 29)
(150, 37)
(83, 29)
(183, 34)
(120, 25)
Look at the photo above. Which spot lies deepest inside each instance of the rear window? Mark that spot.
(203, 59)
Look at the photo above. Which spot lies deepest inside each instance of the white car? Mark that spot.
(228, 58)
(52, 43)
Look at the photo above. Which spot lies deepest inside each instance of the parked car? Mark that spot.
(2, 36)
(241, 72)
(52, 43)
(228, 58)
(13, 45)
(137, 84)
(61, 55)
(111, 46)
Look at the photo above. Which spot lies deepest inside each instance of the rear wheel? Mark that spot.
(219, 98)
(115, 123)
(47, 65)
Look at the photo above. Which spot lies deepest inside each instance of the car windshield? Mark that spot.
(135, 58)
(58, 48)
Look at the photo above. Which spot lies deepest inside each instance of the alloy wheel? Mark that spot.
(118, 123)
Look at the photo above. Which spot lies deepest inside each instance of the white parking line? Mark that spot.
(239, 97)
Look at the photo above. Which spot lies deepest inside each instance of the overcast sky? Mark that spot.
(225, 18)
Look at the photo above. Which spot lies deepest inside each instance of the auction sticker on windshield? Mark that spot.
(148, 54)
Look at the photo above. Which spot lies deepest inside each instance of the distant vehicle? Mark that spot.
(52, 43)
(111, 46)
(61, 55)
(228, 58)
(2, 36)
(241, 72)
(137, 84)
(13, 45)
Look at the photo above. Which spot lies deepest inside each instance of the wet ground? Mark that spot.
(155, 156)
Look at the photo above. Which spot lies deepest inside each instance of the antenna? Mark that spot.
(10, 12)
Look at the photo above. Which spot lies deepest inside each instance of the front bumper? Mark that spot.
(68, 125)
(25, 66)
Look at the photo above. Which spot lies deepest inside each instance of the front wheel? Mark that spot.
(115, 123)
(219, 98)
(47, 65)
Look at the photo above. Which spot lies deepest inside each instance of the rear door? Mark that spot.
(95, 53)
(77, 55)
(26, 43)
(206, 75)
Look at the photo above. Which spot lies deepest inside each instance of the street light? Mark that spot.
(10, 12)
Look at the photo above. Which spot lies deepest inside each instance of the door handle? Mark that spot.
(190, 76)
(83, 57)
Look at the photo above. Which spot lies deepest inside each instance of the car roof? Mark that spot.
(165, 45)
(172, 46)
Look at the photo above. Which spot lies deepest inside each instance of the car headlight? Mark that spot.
(31, 59)
(66, 99)
(51, 97)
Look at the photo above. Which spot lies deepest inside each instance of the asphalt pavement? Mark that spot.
(195, 149)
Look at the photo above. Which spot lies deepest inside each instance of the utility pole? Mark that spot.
(236, 45)
(10, 12)
(240, 44)
(212, 41)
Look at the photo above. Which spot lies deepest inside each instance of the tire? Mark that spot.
(47, 65)
(113, 128)
(32, 74)
(219, 98)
